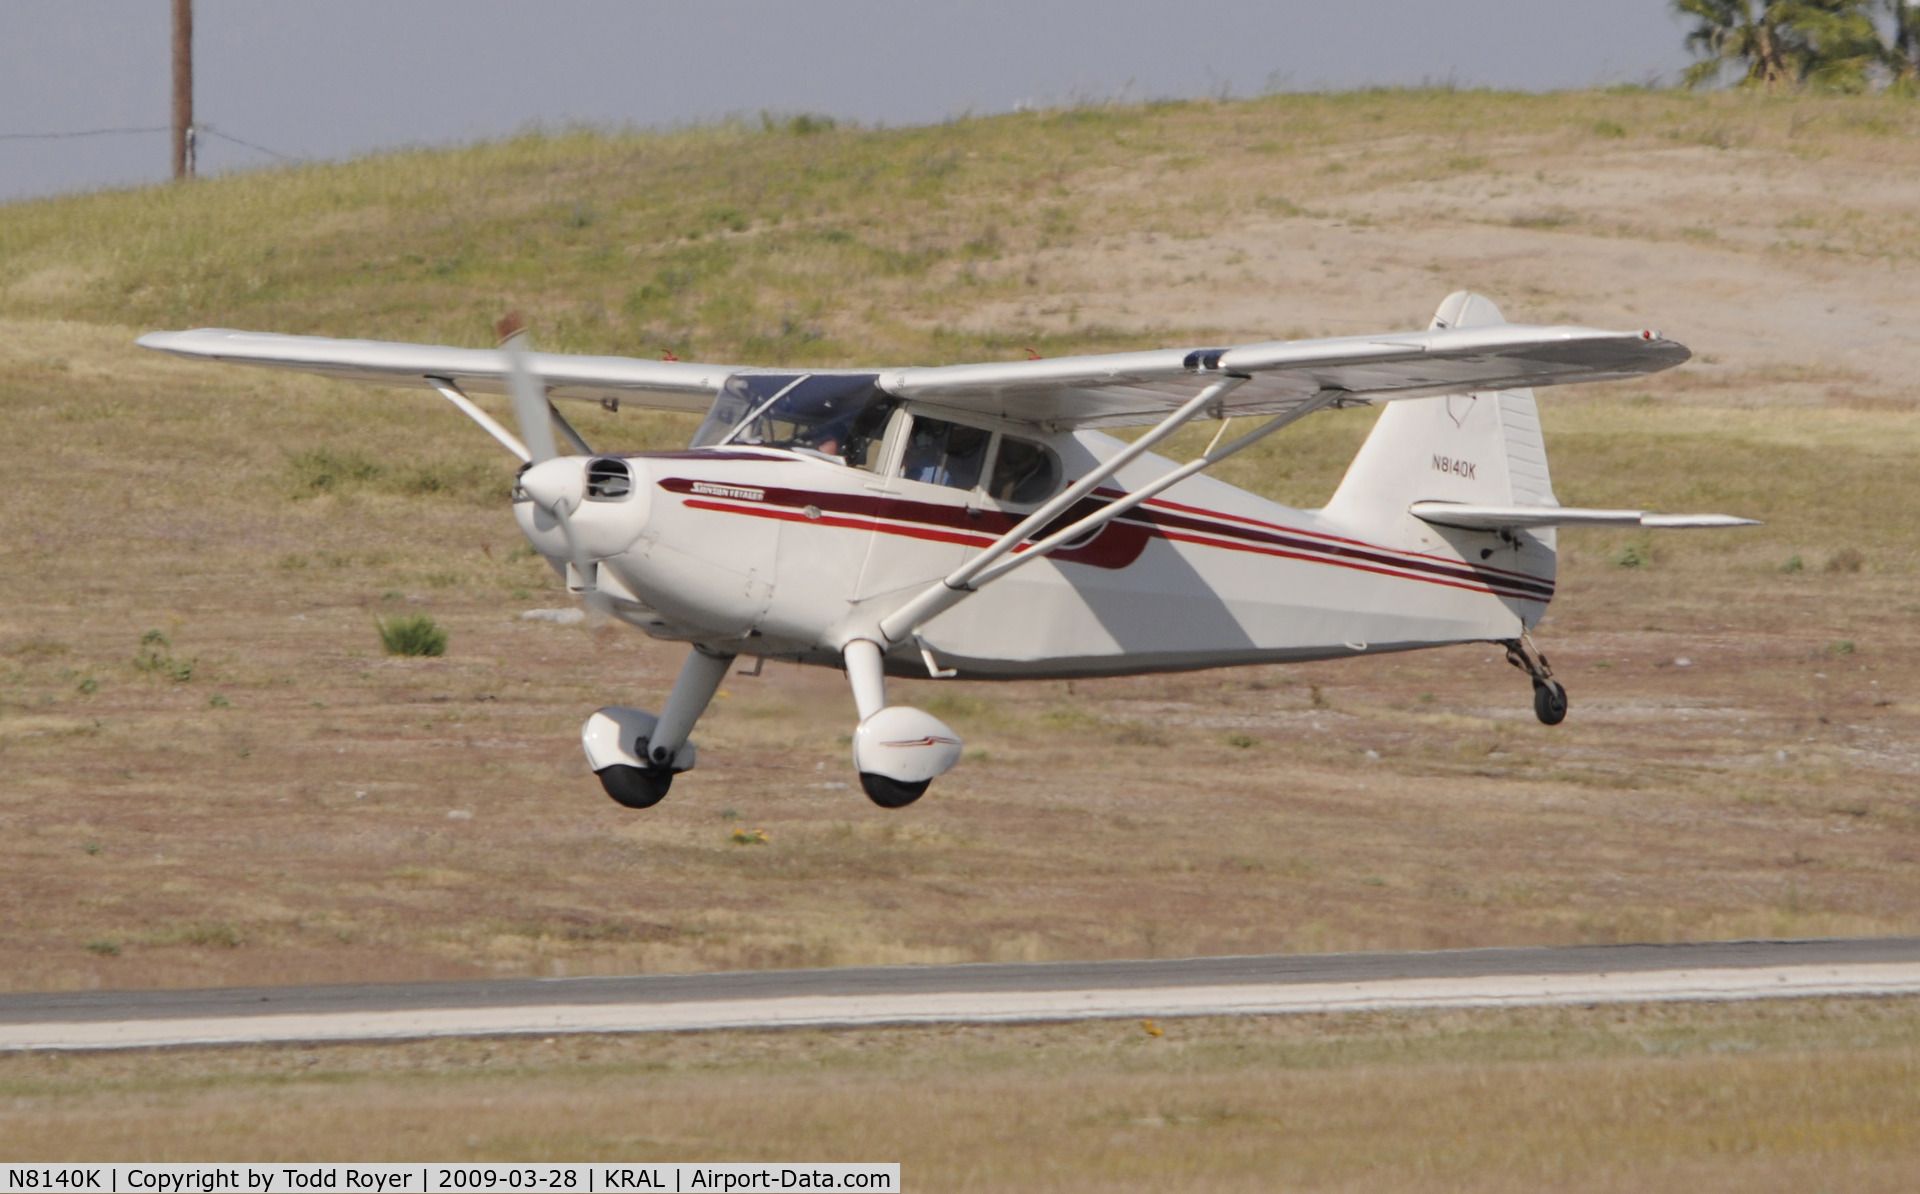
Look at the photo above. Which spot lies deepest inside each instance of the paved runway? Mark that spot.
(1275, 984)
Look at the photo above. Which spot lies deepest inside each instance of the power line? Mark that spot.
(206, 129)
(211, 131)
(81, 133)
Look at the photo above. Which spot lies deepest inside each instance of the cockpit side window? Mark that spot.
(841, 415)
(1024, 472)
(943, 453)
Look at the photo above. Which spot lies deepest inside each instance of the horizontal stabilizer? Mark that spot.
(1505, 518)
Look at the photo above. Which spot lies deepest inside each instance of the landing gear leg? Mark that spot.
(898, 750)
(700, 678)
(635, 754)
(1549, 698)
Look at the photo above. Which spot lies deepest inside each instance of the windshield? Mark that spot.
(836, 414)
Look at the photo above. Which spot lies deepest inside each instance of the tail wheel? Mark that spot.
(635, 787)
(891, 793)
(1549, 702)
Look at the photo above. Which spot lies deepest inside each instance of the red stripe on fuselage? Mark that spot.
(780, 514)
(1372, 558)
(938, 523)
(1282, 553)
(1115, 548)
(1521, 578)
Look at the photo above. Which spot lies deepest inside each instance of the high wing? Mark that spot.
(1111, 390)
(663, 385)
(1126, 389)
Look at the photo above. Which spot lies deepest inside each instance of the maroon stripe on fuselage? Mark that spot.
(1521, 578)
(771, 457)
(1475, 585)
(1114, 550)
(1372, 558)
(782, 514)
(1120, 543)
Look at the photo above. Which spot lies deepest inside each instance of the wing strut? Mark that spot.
(1158, 485)
(452, 393)
(566, 430)
(507, 439)
(936, 599)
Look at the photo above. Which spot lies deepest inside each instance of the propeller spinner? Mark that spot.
(554, 483)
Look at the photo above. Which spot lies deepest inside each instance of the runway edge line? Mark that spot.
(984, 1007)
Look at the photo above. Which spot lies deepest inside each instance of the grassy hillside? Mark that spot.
(259, 794)
(1073, 230)
(806, 243)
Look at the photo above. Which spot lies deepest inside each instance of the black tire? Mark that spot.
(891, 793)
(1549, 702)
(635, 787)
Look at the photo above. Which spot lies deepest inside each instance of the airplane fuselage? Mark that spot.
(785, 554)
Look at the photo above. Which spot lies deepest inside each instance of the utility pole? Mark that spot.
(183, 137)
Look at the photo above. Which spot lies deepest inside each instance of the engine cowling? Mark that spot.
(608, 501)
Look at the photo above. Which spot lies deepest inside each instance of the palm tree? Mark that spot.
(1843, 42)
(1781, 43)
(1903, 51)
(1733, 31)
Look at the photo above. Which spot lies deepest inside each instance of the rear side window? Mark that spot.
(942, 453)
(1024, 472)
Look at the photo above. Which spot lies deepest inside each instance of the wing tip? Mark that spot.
(182, 341)
(1681, 522)
(174, 342)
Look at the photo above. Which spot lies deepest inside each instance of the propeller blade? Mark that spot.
(534, 413)
(599, 608)
(529, 394)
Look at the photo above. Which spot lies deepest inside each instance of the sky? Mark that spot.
(309, 80)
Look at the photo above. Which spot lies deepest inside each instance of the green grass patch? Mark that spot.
(411, 634)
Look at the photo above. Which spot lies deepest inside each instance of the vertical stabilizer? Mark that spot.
(1477, 448)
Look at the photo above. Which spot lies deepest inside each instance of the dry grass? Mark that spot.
(1758, 1097)
(267, 797)
(1277, 215)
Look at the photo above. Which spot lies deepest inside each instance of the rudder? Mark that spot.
(1483, 449)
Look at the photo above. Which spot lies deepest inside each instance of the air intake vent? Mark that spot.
(608, 480)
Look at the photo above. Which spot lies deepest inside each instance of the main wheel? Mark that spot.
(891, 793)
(1549, 702)
(635, 787)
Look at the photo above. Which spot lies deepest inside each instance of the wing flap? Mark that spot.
(1513, 518)
(666, 385)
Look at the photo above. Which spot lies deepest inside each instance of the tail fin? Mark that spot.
(1473, 448)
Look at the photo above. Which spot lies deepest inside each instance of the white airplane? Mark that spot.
(971, 521)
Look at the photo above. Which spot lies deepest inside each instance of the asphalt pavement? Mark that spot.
(1266, 971)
